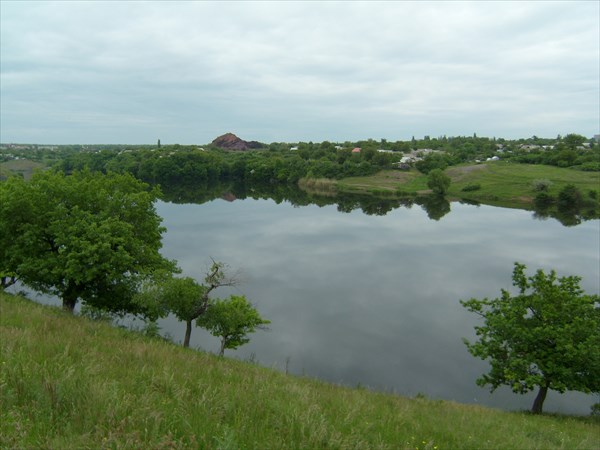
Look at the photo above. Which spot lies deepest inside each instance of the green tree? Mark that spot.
(570, 197)
(231, 320)
(573, 140)
(438, 181)
(547, 336)
(184, 297)
(87, 236)
(431, 162)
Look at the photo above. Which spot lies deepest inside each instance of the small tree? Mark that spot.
(431, 162)
(546, 336)
(570, 197)
(232, 320)
(438, 181)
(184, 297)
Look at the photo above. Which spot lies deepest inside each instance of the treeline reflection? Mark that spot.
(434, 206)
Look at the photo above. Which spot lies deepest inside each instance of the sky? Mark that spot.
(186, 72)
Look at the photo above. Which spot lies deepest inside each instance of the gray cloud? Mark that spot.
(132, 72)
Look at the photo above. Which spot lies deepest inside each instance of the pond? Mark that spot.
(373, 300)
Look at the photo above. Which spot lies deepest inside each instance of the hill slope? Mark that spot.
(66, 382)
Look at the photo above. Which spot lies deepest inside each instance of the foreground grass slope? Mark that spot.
(500, 183)
(66, 382)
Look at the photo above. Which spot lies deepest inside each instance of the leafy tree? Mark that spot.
(547, 336)
(88, 237)
(569, 197)
(232, 320)
(184, 297)
(573, 140)
(438, 181)
(431, 162)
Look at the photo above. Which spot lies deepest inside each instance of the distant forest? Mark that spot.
(280, 162)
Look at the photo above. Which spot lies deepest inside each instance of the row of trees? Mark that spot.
(170, 163)
(179, 164)
(95, 239)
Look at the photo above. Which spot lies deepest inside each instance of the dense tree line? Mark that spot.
(288, 162)
(189, 164)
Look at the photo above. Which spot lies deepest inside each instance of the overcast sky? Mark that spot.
(186, 72)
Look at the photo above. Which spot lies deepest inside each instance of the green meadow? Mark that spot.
(70, 383)
(499, 183)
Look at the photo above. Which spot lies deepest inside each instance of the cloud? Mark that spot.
(123, 72)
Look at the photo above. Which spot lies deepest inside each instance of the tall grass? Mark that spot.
(320, 186)
(69, 383)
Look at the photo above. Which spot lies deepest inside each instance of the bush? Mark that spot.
(471, 187)
(438, 181)
(431, 162)
(592, 166)
(541, 185)
(543, 200)
(569, 197)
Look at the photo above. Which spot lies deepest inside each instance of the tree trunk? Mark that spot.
(7, 281)
(69, 299)
(222, 352)
(538, 403)
(188, 333)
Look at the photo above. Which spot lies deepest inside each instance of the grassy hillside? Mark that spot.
(66, 382)
(501, 184)
(21, 166)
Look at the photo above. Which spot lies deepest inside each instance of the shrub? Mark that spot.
(438, 181)
(569, 197)
(541, 185)
(471, 187)
(543, 200)
(431, 162)
(590, 166)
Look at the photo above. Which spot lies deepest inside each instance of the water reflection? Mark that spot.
(436, 207)
(373, 299)
(371, 296)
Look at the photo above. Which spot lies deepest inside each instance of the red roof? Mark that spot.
(356, 150)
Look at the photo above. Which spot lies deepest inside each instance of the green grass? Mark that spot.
(512, 184)
(501, 184)
(66, 382)
(319, 186)
(20, 166)
(387, 180)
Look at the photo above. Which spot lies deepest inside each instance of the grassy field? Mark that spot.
(501, 184)
(68, 383)
(20, 166)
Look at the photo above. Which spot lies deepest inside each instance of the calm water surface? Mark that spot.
(374, 300)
